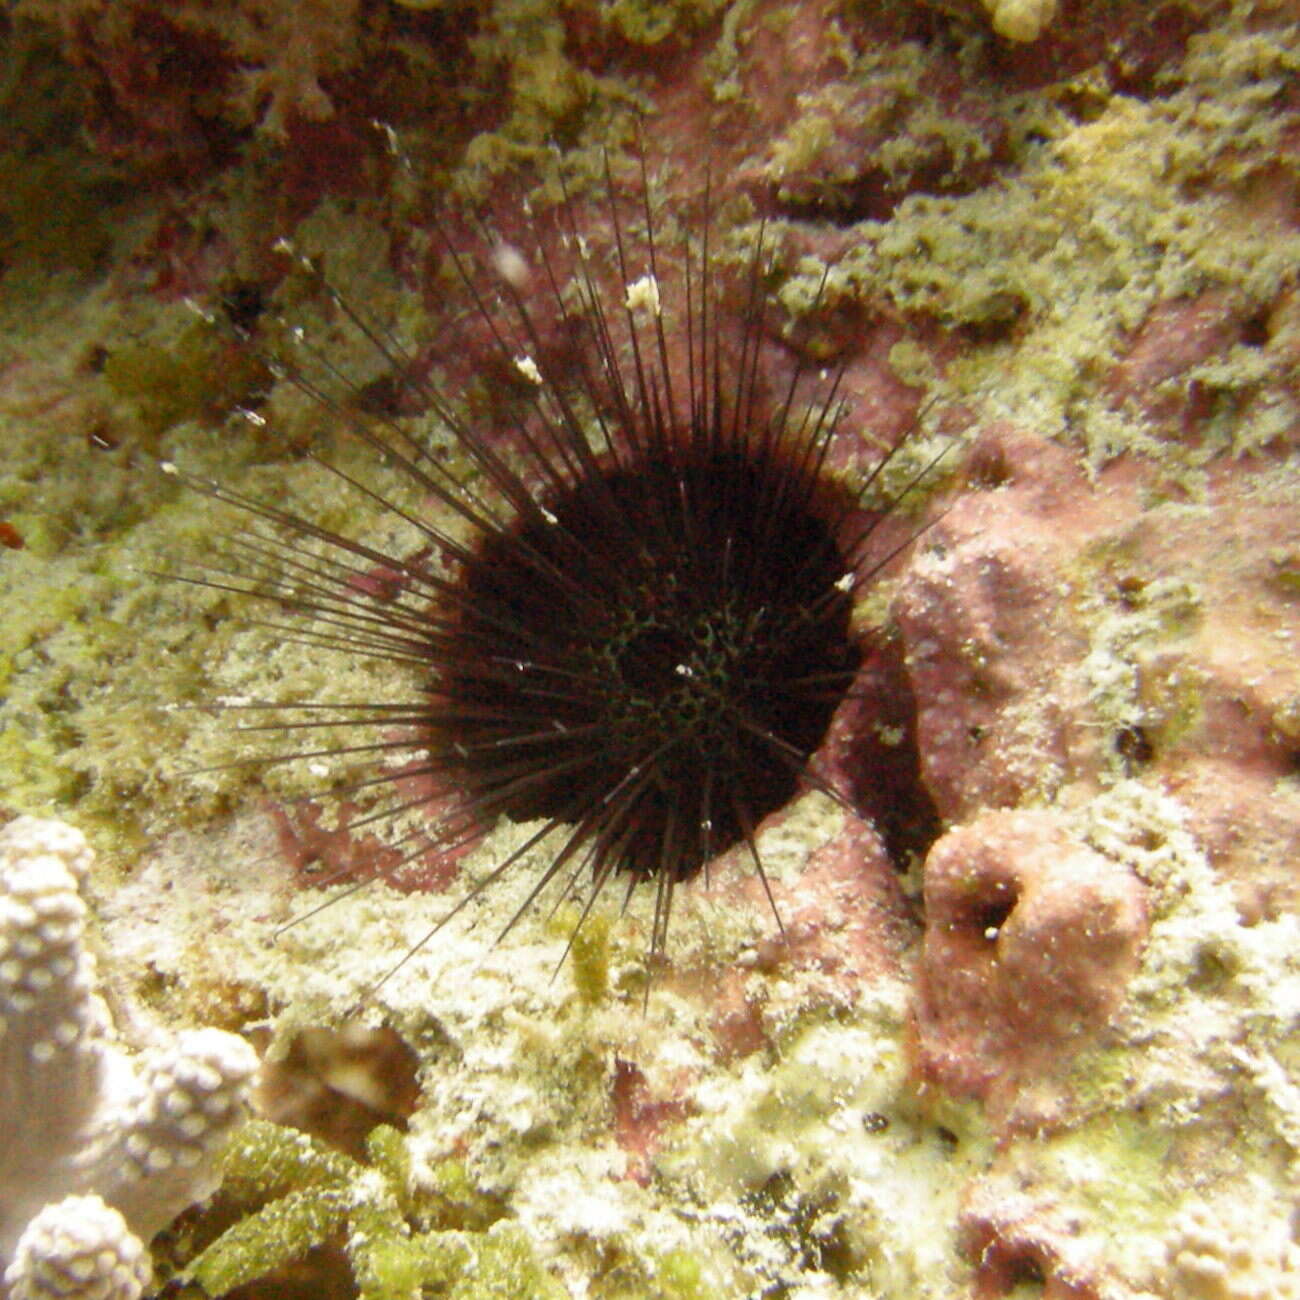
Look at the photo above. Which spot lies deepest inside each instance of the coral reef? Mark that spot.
(1031, 1029)
(99, 1148)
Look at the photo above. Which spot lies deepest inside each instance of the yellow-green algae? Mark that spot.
(197, 374)
(400, 1244)
(402, 1241)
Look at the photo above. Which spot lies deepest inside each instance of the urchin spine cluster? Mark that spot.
(100, 1148)
(645, 639)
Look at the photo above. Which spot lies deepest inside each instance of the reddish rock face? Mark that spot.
(991, 634)
(1030, 942)
(1061, 633)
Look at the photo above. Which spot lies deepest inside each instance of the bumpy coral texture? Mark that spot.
(99, 1147)
(76, 1247)
(1233, 1256)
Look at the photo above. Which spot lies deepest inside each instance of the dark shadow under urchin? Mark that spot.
(630, 617)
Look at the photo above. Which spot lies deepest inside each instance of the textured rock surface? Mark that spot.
(1031, 939)
(1064, 247)
(1221, 1253)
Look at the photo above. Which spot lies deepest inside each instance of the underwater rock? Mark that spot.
(1031, 939)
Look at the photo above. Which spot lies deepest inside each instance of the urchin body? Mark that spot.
(647, 634)
(648, 661)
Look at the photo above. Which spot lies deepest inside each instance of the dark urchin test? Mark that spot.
(645, 638)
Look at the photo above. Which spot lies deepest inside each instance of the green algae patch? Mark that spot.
(299, 1194)
(82, 726)
(52, 212)
(679, 1275)
(198, 374)
(1284, 571)
(1117, 1168)
(451, 1198)
(651, 22)
(548, 95)
(1100, 1079)
(109, 658)
(590, 954)
(505, 1266)
(57, 199)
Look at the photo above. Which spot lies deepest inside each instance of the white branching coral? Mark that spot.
(74, 1244)
(1230, 1255)
(100, 1147)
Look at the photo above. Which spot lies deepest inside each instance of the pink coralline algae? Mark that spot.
(1015, 1236)
(1031, 939)
(989, 630)
(99, 1147)
(1061, 635)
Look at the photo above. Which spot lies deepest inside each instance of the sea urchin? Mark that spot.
(643, 641)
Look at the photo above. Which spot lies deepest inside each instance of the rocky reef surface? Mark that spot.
(1031, 1029)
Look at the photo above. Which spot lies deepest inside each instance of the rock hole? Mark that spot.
(1134, 746)
(338, 1084)
(988, 469)
(987, 916)
(1255, 331)
(884, 759)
